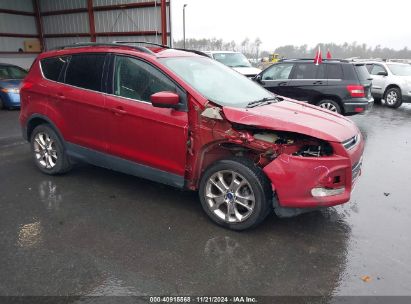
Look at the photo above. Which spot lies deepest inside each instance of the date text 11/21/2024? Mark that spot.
(203, 299)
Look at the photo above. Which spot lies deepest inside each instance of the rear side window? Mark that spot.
(334, 71)
(362, 72)
(308, 71)
(86, 71)
(52, 67)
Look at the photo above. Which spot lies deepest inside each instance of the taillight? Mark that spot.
(356, 90)
(26, 85)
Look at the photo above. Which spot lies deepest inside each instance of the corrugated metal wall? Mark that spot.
(16, 24)
(123, 20)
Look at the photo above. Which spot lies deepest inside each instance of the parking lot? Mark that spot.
(97, 232)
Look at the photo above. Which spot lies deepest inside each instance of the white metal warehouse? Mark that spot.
(28, 27)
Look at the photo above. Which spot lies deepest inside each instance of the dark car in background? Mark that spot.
(340, 86)
(10, 80)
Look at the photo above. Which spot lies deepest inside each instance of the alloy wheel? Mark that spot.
(230, 196)
(329, 106)
(392, 98)
(45, 150)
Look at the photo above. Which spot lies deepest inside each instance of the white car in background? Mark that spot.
(235, 60)
(391, 81)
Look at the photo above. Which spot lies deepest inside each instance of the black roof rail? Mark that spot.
(127, 44)
(163, 46)
(312, 59)
(96, 44)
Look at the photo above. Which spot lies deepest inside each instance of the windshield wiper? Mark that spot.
(263, 101)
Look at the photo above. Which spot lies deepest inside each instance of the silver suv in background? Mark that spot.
(236, 61)
(391, 81)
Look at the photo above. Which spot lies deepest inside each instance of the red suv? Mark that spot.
(188, 121)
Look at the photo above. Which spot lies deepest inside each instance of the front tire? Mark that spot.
(48, 151)
(393, 98)
(330, 105)
(235, 194)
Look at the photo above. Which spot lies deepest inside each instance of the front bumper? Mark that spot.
(11, 99)
(293, 178)
(358, 105)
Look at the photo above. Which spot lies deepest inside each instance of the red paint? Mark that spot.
(295, 116)
(91, 22)
(162, 99)
(185, 143)
(39, 23)
(163, 22)
(359, 110)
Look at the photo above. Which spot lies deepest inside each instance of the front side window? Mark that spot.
(139, 80)
(278, 71)
(215, 81)
(11, 72)
(86, 71)
(377, 69)
(52, 67)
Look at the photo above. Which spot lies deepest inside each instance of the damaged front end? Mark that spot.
(306, 172)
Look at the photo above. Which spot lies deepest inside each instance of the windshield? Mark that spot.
(216, 82)
(233, 60)
(11, 72)
(400, 69)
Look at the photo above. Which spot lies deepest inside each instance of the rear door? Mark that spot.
(276, 78)
(307, 81)
(81, 102)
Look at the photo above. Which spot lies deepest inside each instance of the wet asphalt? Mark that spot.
(98, 232)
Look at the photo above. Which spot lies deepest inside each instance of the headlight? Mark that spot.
(11, 90)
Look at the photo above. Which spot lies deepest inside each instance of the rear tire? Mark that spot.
(235, 194)
(48, 151)
(1, 104)
(393, 98)
(330, 105)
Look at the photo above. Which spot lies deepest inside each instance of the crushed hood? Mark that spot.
(295, 116)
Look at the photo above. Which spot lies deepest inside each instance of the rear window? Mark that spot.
(86, 71)
(52, 67)
(362, 72)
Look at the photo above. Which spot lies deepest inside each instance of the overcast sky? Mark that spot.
(297, 22)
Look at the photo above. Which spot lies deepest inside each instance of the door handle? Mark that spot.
(281, 84)
(119, 111)
(60, 96)
(318, 82)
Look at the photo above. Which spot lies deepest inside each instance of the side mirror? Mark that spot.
(382, 73)
(165, 100)
(258, 79)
